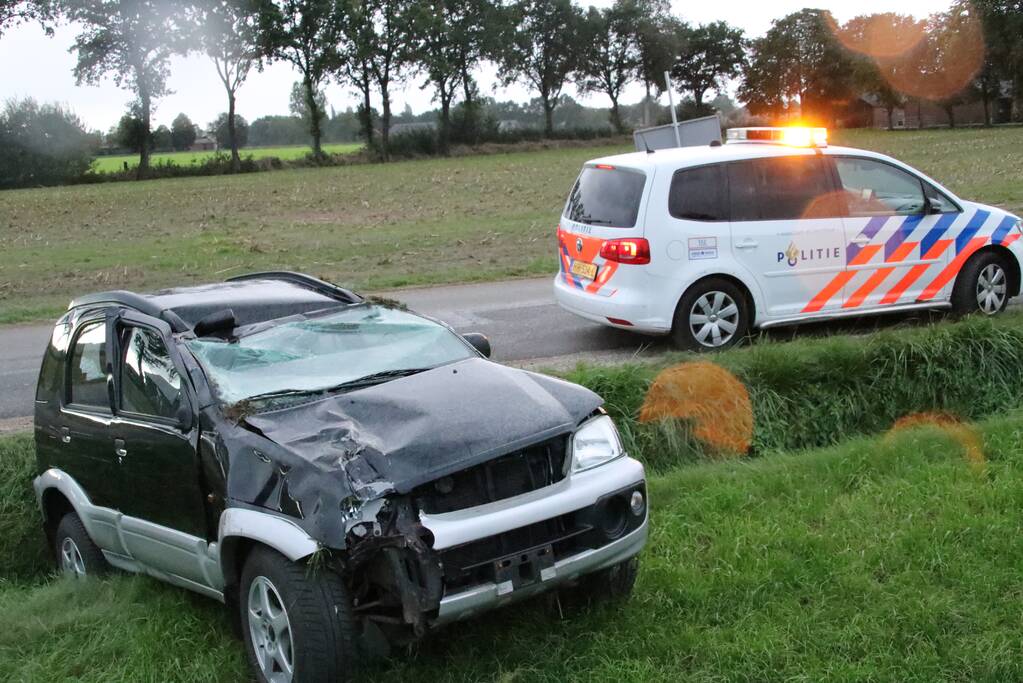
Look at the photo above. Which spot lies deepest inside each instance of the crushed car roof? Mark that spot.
(252, 298)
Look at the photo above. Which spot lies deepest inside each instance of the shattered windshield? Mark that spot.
(349, 349)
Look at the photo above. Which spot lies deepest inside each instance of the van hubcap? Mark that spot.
(270, 631)
(714, 319)
(991, 289)
(71, 562)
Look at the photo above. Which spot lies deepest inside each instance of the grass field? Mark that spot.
(367, 226)
(886, 559)
(111, 164)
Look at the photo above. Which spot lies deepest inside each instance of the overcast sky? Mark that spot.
(31, 64)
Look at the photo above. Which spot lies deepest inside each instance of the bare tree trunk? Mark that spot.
(145, 114)
(444, 134)
(646, 103)
(232, 134)
(385, 123)
(367, 122)
(315, 117)
(548, 116)
(616, 116)
(891, 118)
(986, 99)
(950, 113)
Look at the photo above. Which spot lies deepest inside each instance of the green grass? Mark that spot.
(367, 226)
(815, 392)
(112, 164)
(881, 559)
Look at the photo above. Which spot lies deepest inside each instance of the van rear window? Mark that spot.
(606, 196)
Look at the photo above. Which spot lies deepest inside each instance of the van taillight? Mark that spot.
(634, 250)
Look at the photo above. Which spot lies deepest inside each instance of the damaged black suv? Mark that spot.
(343, 474)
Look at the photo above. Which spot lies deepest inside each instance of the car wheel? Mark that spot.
(77, 556)
(296, 621)
(613, 583)
(982, 286)
(713, 314)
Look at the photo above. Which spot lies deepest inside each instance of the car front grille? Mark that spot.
(522, 471)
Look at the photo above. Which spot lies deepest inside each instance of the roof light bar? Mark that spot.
(794, 136)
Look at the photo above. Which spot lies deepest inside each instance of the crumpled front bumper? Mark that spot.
(578, 493)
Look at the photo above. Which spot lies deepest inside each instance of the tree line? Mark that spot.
(805, 64)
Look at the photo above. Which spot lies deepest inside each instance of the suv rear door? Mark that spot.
(786, 228)
(85, 447)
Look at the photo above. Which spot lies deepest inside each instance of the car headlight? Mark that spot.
(595, 443)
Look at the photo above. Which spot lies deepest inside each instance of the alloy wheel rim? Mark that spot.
(991, 289)
(713, 319)
(71, 562)
(270, 631)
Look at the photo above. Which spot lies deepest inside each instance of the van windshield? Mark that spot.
(606, 196)
(350, 349)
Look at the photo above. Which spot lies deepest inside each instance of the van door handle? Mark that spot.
(120, 450)
(860, 240)
(747, 244)
(65, 435)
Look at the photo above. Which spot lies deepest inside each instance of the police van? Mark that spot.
(773, 227)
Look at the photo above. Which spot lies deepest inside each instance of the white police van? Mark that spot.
(773, 227)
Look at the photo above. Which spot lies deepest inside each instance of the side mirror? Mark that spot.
(479, 342)
(184, 417)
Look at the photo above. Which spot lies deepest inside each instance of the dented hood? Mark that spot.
(395, 436)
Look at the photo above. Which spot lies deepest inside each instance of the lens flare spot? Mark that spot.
(882, 36)
(950, 424)
(707, 396)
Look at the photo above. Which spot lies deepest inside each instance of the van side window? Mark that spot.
(781, 188)
(874, 188)
(150, 384)
(698, 194)
(88, 376)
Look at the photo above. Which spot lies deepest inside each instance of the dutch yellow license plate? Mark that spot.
(584, 269)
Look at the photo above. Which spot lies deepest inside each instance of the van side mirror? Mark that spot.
(479, 342)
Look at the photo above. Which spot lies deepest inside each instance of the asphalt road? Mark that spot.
(520, 317)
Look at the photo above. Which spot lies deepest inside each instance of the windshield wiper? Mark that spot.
(586, 218)
(365, 381)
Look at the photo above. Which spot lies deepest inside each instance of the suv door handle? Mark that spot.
(747, 244)
(65, 435)
(120, 450)
(860, 240)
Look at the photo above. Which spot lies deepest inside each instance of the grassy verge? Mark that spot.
(370, 226)
(810, 392)
(881, 559)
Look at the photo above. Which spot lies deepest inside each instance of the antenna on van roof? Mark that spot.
(647, 146)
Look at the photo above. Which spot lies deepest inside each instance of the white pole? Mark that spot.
(671, 101)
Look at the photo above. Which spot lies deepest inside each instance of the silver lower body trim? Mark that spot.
(855, 313)
(492, 595)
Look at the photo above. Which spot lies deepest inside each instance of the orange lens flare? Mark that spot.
(711, 399)
(950, 424)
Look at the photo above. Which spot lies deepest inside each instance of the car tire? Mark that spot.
(613, 583)
(77, 556)
(982, 286)
(296, 621)
(712, 315)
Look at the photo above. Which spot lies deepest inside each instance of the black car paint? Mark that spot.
(306, 460)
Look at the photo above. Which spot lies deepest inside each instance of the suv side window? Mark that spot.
(150, 384)
(938, 201)
(87, 385)
(781, 188)
(698, 194)
(874, 188)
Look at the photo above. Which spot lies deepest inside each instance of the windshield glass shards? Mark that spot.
(350, 349)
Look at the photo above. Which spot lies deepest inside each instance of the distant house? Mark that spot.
(918, 113)
(204, 144)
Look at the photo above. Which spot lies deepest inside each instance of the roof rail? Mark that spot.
(131, 300)
(302, 280)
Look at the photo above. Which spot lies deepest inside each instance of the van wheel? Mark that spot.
(713, 314)
(982, 286)
(296, 621)
(77, 556)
